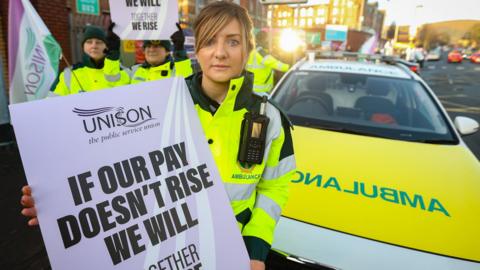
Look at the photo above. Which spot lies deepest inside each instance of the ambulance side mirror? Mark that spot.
(465, 126)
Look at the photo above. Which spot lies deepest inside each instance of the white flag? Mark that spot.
(33, 54)
(370, 45)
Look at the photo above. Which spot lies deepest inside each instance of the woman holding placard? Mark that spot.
(249, 138)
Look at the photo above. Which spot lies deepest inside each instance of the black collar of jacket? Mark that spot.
(167, 59)
(87, 61)
(244, 99)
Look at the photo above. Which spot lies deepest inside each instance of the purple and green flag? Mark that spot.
(33, 54)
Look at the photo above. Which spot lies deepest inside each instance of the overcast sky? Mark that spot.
(405, 11)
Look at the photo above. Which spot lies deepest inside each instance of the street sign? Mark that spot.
(282, 2)
(90, 7)
(129, 46)
(314, 38)
(336, 32)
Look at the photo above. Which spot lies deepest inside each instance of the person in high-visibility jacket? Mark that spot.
(100, 67)
(223, 96)
(158, 61)
(262, 65)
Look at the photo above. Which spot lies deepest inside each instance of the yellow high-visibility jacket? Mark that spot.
(182, 66)
(86, 77)
(262, 65)
(145, 72)
(257, 192)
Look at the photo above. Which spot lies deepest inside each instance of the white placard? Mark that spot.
(144, 19)
(123, 178)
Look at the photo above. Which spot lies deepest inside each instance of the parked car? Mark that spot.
(435, 54)
(455, 57)
(384, 179)
(415, 67)
(475, 58)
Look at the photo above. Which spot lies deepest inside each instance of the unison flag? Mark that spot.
(370, 45)
(33, 53)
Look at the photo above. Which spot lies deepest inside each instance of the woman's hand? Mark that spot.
(257, 265)
(29, 206)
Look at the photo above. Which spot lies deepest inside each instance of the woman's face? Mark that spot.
(155, 54)
(223, 56)
(94, 48)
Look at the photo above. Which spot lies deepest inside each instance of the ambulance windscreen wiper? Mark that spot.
(437, 141)
(348, 130)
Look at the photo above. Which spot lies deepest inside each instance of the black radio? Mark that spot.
(253, 136)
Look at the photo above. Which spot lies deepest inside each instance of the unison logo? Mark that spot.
(35, 65)
(109, 117)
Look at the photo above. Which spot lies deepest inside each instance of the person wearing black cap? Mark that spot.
(158, 60)
(100, 66)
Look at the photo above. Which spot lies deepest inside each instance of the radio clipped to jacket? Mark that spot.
(253, 136)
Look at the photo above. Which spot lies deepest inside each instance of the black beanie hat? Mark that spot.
(91, 31)
(164, 43)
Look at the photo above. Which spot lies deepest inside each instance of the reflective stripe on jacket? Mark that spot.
(257, 192)
(262, 66)
(83, 78)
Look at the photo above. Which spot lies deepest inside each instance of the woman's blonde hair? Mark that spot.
(215, 16)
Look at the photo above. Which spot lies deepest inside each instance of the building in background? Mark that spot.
(373, 18)
(67, 18)
(361, 18)
(340, 12)
(66, 21)
(188, 9)
(347, 12)
(402, 34)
